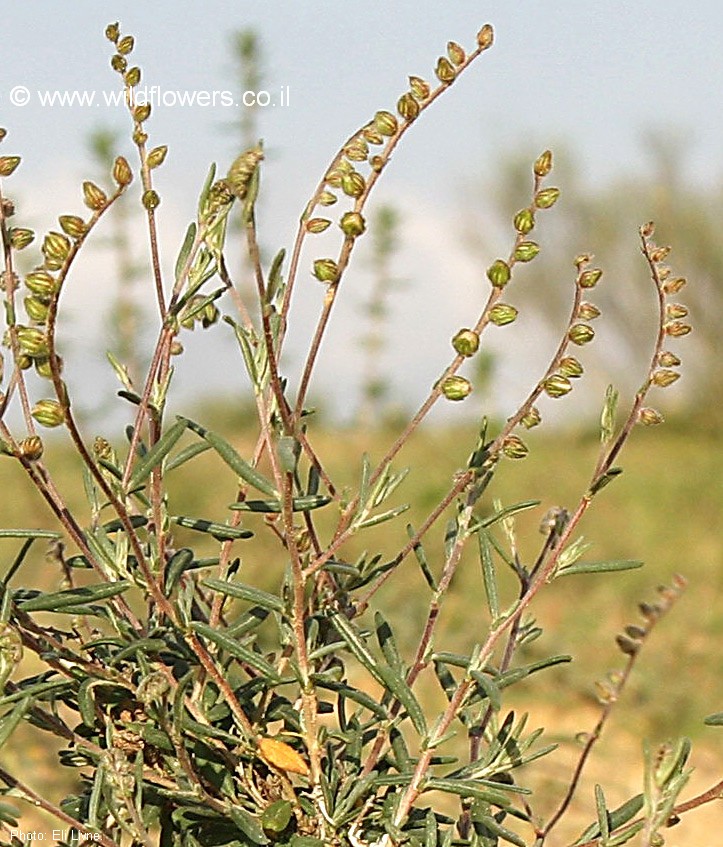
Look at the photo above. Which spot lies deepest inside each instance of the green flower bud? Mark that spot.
(357, 150)
(335, 175)
(532, 418)
(142, 113)
(93, 197)
(326, 198)
(352, 224)
(31, 448)
(125, 45)
(353, 184)
(24, 362)
(420, 87)
(112, 32)
(659, 254)
(675, 310)
(524, 221)
(118, 63)
(21, 238)
(377, 163)
(456, 53)
(668, 360)
(677, 329)
(526, 251)
(36, 309)
(543, 164)
(8, 164)
(326, 270)
(570, 367)
(502, 314)
(73, 226)
(581, 334)
(157, 156)
(485, 37)
(650, 417)
(209, 315)
(317, 225)
(673, 286)
(43, 369)
(589, 279)
(48, 413)
(139, 137)
(445, 71)
(219, 196)
(408, 106)
(466, 342)
(33, 342)
(546, 198)
(372, 134)
(499, 273)
(55, 249)
(150, 200)
(456, 387)
(664, 377)
(385, 123)
(122, 173)
(514, 447)
(588, 311)
(557, 385)
(132, 77)
(582, 260)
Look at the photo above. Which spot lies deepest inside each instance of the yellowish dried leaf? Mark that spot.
(282, 756)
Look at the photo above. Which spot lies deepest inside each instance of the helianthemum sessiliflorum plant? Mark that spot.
(201, 709)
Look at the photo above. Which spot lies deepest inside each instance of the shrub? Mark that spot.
(199, 708)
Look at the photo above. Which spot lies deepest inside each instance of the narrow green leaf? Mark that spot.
(374, 520)
(37, 691)
(276, 282)
(246, 592)
(604, 480)
(245, 340)
(73, 596)
(489, 689)
(238, 651)
(607, 419)
(385, 637)
(716, 719)
(233, 460)
(607, 566)
(602, 812)
(157, 453)
(185, 251)
(485, 790)
(516, 674)
(421, 557)
(488, 575)
(353, 694)
(9, 815)
(186, 454)
(179, 562)
(289, 450)
(219, 531)
(10, 721)
(299, 504)
(29, 533)
(203, 196)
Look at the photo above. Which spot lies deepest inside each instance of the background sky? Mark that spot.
(593, 77)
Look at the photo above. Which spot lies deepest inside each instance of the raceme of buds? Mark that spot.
(650, 417)
(570, 367)
(385, 123)
(588, 311)
(531, 418)
(581, 334)
(502, 314)
(326, 270)
(664, 377)
(420, 87)
(352, 224)
(677, 329)
(408, 106)
(317, 225)
(589, 279)
(499, 273)
(466, 342)
(543, 164)
(150, 200)
(73, 226)
(456, 53)
(21, 238)
(48, 413)
(353, 184)
(241, 171)
(514, 447)
(31, 448)
(157, 156)
(557, 385)
(546, 198)
(456, 387)
(55, 249)
(526, 251)
(485, 37)
(93, 197)
(122, 173)
(524, 221)
(8, 164)
(445, 71)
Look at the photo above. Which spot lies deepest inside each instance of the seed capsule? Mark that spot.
(55, 249)
(42, 283)
(485, 37)
(456, 387)
(357, 150)
(242, 169)
(445, 71)
(33, 342)
(112, 32)
(420, 87)
(372, 135)
(132, 77)
(673, 286)
(48, 413)
(150, 200)
(677, 329)
(466, 342)
(157, 156)
(588, 311)
(353, 184)
(21, 238)
(502, 314)
(557, 386)
(326, 270)
(650, 417)
(532, 418)
(73, 226)
(36, 309)
(352, 224)
(385, 123)
(524, 221)
(514, 447)
(589, 279)
(543, 164)
(118, 63)
(142, 113)
(317, 225)
(456, 53)
(499, 273)
(675, 310)
(526, 251)
(581, 334)
(8, 164)
(31, 448)
(668, 360)
(326, 198)
(664, 377)
(125, 45)
(546, 198)
(570, 367)
(408, 106)
(93, 197)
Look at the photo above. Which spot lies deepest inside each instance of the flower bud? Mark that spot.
(502, 314)
(93, 197)
(650, 417)
(589, 279)
(43, 369)
(466, 342)
(582, 260)
(352, 224)
(357, 150)
(546, 198)
(444, 71)
(55, 249)
(514, 447)
(157, 156)
(420, 87)
(647, 229)
(408, 106)
(36, 309)
(112, 32)
(209, 315)
(73, 226)
(668, 360)
(532, 418)
(377, 163)
(122, 173)
(526, 251)
(675, 310)
(485, 37)
(353, 184)
(24, 362)
(677, 329)
(588, 311)
(673, 286)
(499, 273)
(118, 63)
(242, 169)
(139, 137)
(21, 238)
(581, 334)
(317, 225)
(125, 45)
(327, 198)
(150, 200)
(659, 254)
(664, 377)
(8, 164)
(456, 53)
(524, 221)
(543, 164)
(372, 134)
(385, 123)
(48, 413)
(132, 77)
(570, 367)
(456, 387)
(141, 113)
(31, 448)
(326, 270)
(33, 342)
(557, 385)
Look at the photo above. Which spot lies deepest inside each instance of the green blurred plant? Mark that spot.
(199, 708)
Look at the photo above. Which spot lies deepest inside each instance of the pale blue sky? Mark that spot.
(595, 75)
